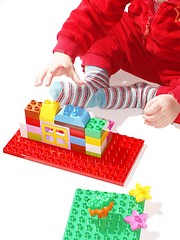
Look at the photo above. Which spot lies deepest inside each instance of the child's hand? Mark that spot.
(60, 65)
(161, 110)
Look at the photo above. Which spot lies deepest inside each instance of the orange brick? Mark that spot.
(32, 110)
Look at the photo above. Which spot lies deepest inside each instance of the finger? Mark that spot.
(153, 108)
(40, 77)
(53, 72)
(48, 78)
(154, 117)
(160, 123)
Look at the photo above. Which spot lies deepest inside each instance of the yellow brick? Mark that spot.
(55, 135)
(49, 110)
(34, 136)
(96, 141)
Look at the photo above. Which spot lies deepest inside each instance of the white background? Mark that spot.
(35, 199)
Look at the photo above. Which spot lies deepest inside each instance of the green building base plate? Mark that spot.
(81, 226)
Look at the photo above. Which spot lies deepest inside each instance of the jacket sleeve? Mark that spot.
(176, 93)
(88, 22)
(173, 89)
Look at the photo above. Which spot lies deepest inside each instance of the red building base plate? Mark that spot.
(114, 166)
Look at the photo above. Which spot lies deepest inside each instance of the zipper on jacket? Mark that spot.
(148, 24)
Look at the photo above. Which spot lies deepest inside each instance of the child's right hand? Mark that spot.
(60, 65)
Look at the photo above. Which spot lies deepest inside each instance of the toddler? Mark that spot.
(144, 41)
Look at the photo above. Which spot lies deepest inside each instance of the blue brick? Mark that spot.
(73, 115)
(77, 141)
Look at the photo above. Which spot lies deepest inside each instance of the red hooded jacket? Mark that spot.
(92, 20)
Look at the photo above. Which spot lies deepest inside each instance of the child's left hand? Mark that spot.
(161, 110)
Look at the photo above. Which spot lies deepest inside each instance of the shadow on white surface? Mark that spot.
(176, 125)
(148, 235)
(153, 208)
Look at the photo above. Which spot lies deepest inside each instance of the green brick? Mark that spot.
(81, 225)
(96, 127)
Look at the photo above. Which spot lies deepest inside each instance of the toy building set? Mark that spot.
(69, 138)
(104, 215)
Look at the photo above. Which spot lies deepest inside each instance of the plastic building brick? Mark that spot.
(78, 148)
(55, 135)
(49, 110)
(81, 225)
(95, 127)
(96, 150)
(23, 130)
(33, 122)
(114, 166)
(32, 113)
(110, 125)
(136, 220)
(33, 129)
(66, 127)
(97, 136)
(77, 133)
(96, 141)
(34, 136)
(78, 141)
(73, 115)
(100, 204)
(32, 110)
(101, 213)
(34, 132)
(141, 193)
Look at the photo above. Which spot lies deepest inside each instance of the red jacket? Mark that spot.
(92, 19)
